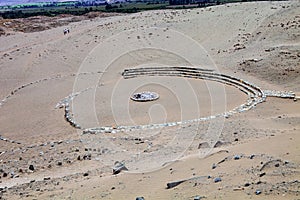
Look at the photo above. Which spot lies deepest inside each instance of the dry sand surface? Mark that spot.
(257, 151)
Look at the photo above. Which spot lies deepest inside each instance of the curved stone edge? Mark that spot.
(280, 94)
(13, 92)
(65, 103)
(18, 89)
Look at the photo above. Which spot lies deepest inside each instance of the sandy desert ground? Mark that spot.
(248, 155)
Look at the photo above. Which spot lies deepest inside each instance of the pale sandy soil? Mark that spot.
(257, 42)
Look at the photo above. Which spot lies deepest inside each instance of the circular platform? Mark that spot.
(144, 96)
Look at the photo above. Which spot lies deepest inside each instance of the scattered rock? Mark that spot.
(87, 156)
(12, 174)
(286, 162)
(262, 174)
(239, 46)
(270, 163)
(257, 192)
(52, 144)
(174, 184)
(258, 182)
(31, 167)
(85, 174)
(119, 167)
(236, 157)
(203, 145)
(214, 166)
(198, 197)
(218, 179)
(223, 160)
(220, 143)
(247, 184)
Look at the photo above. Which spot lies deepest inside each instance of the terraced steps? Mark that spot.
(197, 74)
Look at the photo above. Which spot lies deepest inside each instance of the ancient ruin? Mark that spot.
(255, 96)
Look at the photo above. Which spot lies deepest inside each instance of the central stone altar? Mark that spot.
(144, 96)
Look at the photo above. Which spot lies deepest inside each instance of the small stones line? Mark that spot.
(65, 103)
(280, 94)
(51, 143)
(8, 140)
(13, 92)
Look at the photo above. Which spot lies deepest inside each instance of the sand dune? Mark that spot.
(43, 157)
